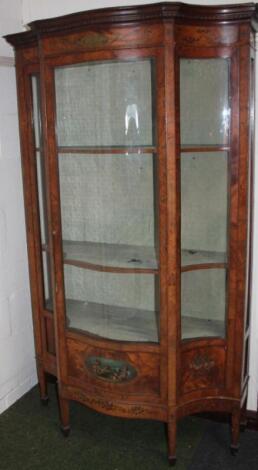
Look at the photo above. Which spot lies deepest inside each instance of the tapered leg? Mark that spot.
(235, 430)
(171, 426)
(64, 416)
(42, 385)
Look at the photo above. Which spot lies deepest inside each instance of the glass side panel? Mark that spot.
(114, 306)
(105, 104)
(204, 240)
(204, 101)
(36, 110)
(204, 201)
(203, 303)
(42, 198)
(42, 206)
(47, 281)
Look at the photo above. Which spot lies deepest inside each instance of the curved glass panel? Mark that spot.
(107, 173)
(105, 104)
(204, 202)
(203, 303)
(204, 238)
(115, 306)
(204, 101)
(205, 127)
(108, 199)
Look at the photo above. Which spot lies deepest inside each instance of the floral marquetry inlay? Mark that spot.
(202, 363)
(93, 40)
(203, 368)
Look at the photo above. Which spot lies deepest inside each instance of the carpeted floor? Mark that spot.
(212, 452)
(31, 440)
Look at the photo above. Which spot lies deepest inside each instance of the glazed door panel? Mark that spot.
(105, 103)
(106, 137)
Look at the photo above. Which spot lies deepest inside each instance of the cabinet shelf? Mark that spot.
(200, 259)
(146, 149)
(107, 150)
(193, 327)
(131, 258)
(192, 148)
(112, 322)
(110, 257)
(131, 324)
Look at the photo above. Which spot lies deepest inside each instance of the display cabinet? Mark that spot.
(136, 129)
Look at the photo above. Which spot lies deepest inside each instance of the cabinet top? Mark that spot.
(234, 13)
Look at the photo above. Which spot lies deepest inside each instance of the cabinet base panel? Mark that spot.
(207, 405)
(113, 407)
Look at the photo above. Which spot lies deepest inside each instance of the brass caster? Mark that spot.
(44, 400)
(65, 430)
(234, 450)
(172, 460)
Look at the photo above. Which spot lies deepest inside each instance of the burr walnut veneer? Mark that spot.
(136, 129)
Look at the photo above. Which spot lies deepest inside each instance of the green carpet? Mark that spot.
(31, 439)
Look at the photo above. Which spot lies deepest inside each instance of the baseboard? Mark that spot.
(6, 61)
(252, 419)
(15, 393)
(249, 418)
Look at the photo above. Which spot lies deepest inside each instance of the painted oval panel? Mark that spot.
(112, 370)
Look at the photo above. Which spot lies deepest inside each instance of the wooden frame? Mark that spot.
(174, 377)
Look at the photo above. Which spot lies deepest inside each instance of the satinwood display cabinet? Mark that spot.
(136, 129)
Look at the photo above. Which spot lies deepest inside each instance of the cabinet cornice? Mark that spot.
(136, 14)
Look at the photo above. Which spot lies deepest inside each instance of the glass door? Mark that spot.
(106, 137)
(205, 145)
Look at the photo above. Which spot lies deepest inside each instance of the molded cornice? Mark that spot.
(182, 12)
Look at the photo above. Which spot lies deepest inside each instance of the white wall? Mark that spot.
(17, 366)
(36, 9)
(17, 363)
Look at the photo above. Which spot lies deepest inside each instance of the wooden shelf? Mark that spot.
(193, 327)
(131, 324)
(195, 260)
(112, 322)
(110, 257)
(114, 150)
(192, 148)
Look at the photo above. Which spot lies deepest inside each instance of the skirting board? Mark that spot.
(249, 419)
(6, 61)
(252, 419)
